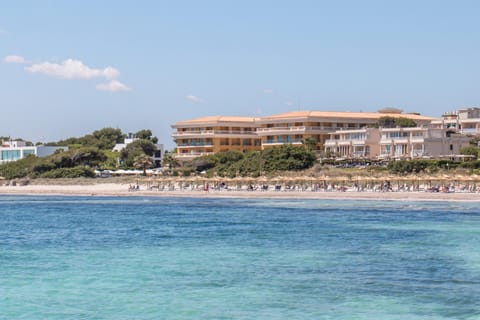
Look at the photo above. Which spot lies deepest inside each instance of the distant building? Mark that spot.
(14, 150)
(157, 156)
(464, 120)
(209, 135)
(396, 143)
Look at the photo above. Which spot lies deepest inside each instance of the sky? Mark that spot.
(70, 67)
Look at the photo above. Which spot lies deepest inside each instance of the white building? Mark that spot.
(15, 150)
(465, 120)
(358, 143)
(157, 155)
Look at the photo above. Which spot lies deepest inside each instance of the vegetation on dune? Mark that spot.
(256, 163)
(430, 166)
(470, 151)
(103, 139)
(135, 149)
(85, 154)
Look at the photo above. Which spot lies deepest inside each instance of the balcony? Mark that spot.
(333, 142)
(418, 153)
(276, 142)
(192, 155)
(195, 144)
(417, 140)
(295, 130)
(470, 131)
(211, 133)
(403, 140)
(359, 154)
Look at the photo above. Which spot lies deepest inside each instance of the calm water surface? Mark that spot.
(159, 258)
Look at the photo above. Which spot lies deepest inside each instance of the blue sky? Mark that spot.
(70, 67)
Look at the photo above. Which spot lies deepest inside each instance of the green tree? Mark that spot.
(104, 139)
(393, 122)
(386, 122)
(403, 122)
(470, 151)
(136, 148)
(310, 143)
(146, 134)
(107, 138)
(170, 161)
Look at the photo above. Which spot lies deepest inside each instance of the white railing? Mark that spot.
(272, 142)
(297, 129)
(211, 132)
(193, 154)
(191, 145)
(470, 130)
(333, 141)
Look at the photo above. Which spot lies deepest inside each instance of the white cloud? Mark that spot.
(194, 98)
(72, 69)
(268, 91)
(113, 86)
(289, 103)
(14, 59)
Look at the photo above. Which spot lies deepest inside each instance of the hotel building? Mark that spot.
(294, 127)
(209, 135)
(396, 143)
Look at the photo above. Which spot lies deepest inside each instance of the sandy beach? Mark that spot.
(120, 189)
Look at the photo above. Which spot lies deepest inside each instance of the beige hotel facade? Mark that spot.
(208, 135)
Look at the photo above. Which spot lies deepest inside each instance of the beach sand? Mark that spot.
(120, 189)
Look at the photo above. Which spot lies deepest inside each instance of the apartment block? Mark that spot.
(360, 143)
(464, 120)
(209, 135)
(397, 143)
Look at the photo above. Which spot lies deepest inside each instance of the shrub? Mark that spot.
(75, 172)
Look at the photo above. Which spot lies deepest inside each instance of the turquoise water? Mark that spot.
(170, 258)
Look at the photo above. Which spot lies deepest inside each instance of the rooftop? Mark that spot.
(336, 114)
(216, 120)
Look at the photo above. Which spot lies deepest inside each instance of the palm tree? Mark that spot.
(170, 161)
(143, 161)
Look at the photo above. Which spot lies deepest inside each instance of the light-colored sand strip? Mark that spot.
(113, 189)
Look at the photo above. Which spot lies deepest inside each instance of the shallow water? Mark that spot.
(172, 258)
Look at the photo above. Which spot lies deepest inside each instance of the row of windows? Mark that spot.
(12, 155)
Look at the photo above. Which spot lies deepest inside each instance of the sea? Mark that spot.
(189, 258)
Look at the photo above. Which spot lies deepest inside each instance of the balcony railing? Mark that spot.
(192, 154)
(212, 132)
(297, 129)
(470, 130)
(195, 144)
(282, 141)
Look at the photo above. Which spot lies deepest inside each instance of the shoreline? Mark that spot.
(121, 190)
